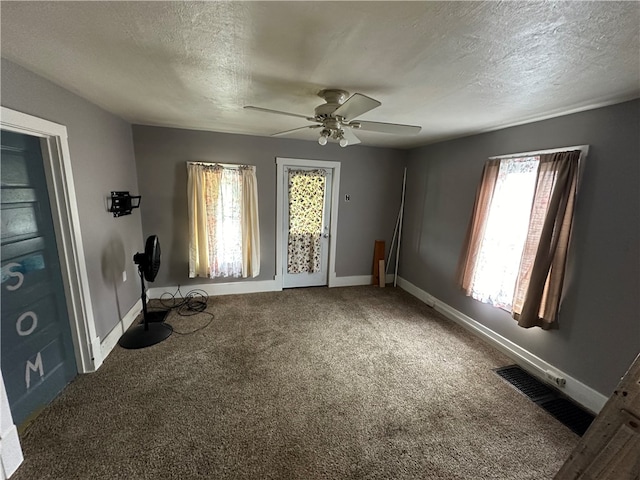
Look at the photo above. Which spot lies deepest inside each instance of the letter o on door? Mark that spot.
(21, 318)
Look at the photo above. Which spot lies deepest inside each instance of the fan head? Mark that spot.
(149, 261)
(333, 99)
(336, 117)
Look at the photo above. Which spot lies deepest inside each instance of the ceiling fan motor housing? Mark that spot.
(333, 95)
(333, 99)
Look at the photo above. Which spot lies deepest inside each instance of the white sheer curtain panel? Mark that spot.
(250, 224)
(224, 236)
(500, 250)
(198, 237)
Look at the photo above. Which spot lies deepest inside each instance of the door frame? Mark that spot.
(66, 222)
(281, 162)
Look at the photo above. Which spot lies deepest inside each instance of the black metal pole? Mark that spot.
(144, 299)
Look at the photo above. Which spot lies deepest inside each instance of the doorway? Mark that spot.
(37, 354)
(307, 212)
(59, 260)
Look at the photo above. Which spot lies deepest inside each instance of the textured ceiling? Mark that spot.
(455, 68)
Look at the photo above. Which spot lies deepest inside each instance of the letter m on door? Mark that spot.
(33, 367)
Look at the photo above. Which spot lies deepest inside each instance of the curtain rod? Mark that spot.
(583, 148)
(225, 165)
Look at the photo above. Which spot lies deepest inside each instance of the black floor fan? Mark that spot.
(152, 330)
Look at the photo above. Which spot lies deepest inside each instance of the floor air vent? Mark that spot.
(564, 410)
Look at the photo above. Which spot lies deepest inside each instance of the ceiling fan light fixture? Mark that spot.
(343, 141)
(324, 137)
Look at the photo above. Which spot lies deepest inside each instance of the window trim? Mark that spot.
(583, 148)
(223, 165)
(584, 151)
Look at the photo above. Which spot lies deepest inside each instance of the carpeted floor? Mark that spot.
(342, 383)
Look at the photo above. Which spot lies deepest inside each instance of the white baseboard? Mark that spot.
(111, 340)
(275, 285)
(355, 280)
(98, 357)
(416, 292)
(230, 288)
(578, 391)
(351, 281)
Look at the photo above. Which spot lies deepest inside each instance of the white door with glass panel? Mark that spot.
(306, 226)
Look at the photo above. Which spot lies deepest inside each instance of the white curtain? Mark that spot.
(250, 224)
(505, 231)
(307, 190)
(198, 237)
(224, 236)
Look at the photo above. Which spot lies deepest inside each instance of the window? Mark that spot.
(516, 249)
(505, 232)
(224, 238)
(307, 189)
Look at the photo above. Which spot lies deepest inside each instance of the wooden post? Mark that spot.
(382, 275)
(378, 254)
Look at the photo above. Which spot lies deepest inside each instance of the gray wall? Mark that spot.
(372, 176)
(599, 328)
(102, 160)
(599, 332)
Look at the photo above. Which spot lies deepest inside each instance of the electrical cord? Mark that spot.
(193, 303)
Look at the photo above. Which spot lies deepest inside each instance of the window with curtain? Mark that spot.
(224, 235)
(516, 247)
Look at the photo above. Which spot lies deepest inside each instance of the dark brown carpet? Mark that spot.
(343, 383)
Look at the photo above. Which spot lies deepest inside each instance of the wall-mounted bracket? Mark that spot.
(122, 203)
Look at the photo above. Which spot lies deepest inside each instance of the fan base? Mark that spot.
(155, 316)
(138, 337)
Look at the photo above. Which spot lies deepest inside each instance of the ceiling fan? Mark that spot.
(336, 118)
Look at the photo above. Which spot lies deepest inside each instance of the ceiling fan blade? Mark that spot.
(279, 134)
(356, 105)
(348, 134)
(392, 128)
(278, 112)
